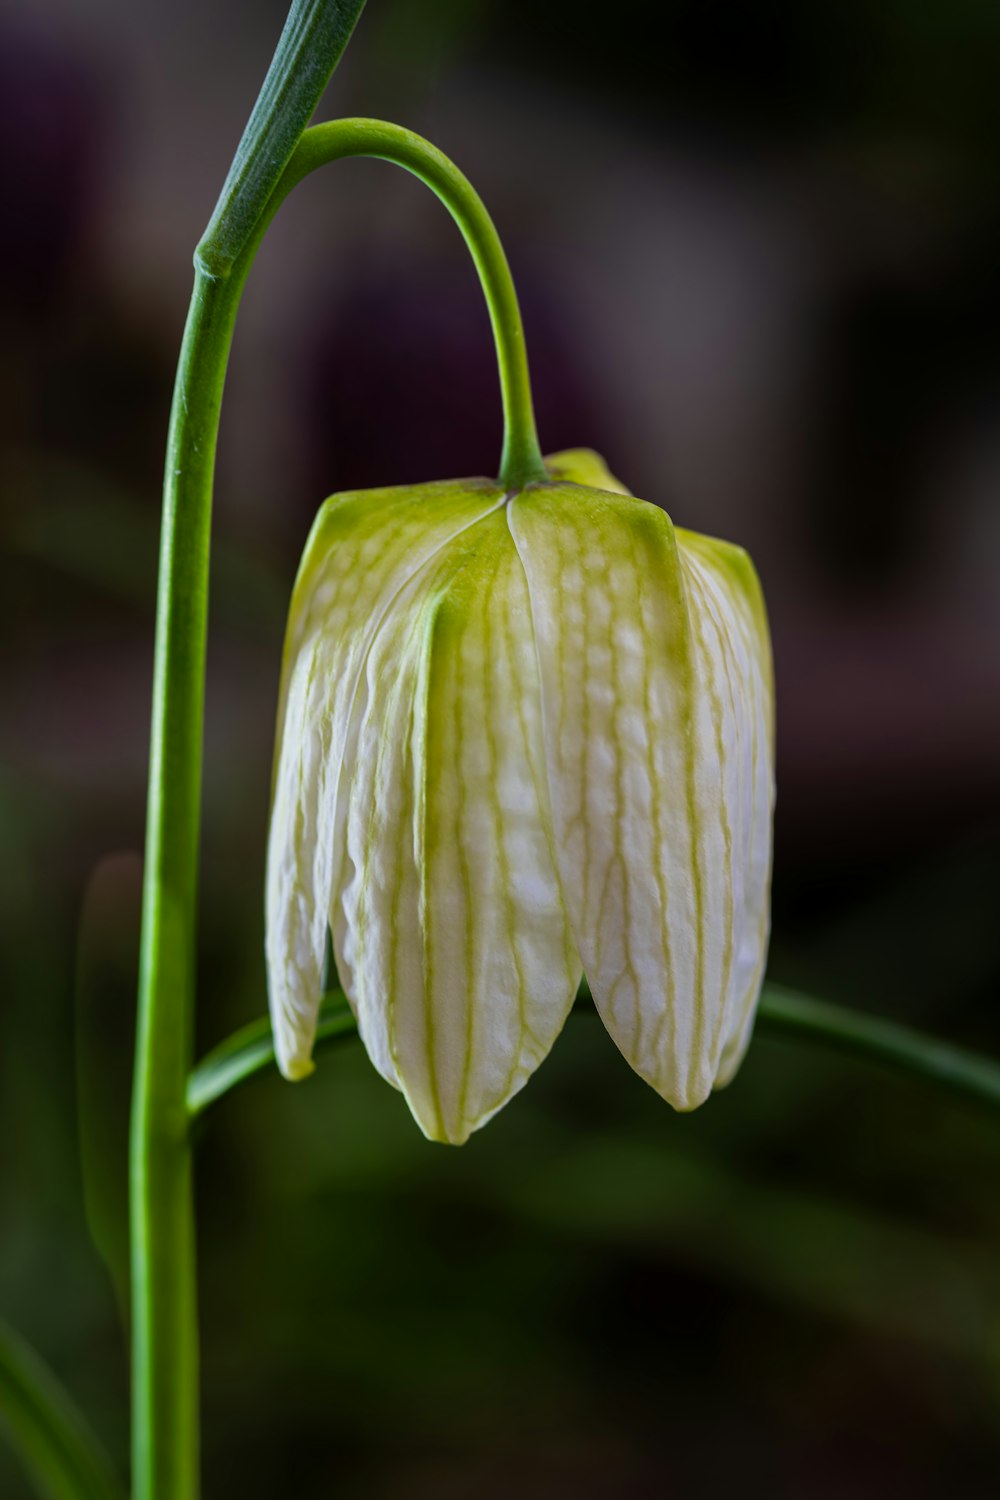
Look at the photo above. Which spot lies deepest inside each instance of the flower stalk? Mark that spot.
(164, 1311)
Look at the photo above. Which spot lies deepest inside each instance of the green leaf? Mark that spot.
(782, 1013)
(58, 1448)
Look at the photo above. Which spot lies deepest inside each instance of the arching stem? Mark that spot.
(165, 1352)
(521, 459)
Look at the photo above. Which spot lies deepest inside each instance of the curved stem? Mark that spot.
(782, 1013)
(165, 1357)
(250, 1051)
(786, 1013)
(521, 460)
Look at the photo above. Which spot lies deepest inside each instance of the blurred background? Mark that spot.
(757, 250)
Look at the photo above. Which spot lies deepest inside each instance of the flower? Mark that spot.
(521, 736)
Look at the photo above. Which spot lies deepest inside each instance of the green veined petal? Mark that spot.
(362, 550)
(648, 741)
(450, 930)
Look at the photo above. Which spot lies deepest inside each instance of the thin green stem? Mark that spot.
(786, 1013)
(164, 1311)
(165, 1353)
(309, 48)
(56, 1445)
(521, 459)
(782, 1012)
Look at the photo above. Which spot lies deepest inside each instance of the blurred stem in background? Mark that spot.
(58, 1449)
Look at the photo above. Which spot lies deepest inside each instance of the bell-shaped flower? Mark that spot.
(522, 737)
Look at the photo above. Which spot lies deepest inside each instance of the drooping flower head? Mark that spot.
(522, 736)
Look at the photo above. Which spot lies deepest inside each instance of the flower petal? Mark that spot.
(450, 931)
(656, 698)
(584, 466)
(363, 548)
(735, 649)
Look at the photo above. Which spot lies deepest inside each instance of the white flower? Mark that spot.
(521, 736)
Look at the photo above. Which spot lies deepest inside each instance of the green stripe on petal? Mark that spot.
(363, 549)
(656, 701)
(450, 932)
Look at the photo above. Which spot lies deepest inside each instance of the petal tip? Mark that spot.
(294, 1069)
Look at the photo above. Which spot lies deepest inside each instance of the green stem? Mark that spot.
(164, 1311)
(786, 1013)
(57, 1447)
(250, 1051)
(782, 1013)
(165, 1356)
(521, 459)
(309, 48)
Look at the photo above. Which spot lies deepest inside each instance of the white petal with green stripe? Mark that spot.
(518, 737)
(363, 549)
(450, 931)
(656, 696)
(728, 607)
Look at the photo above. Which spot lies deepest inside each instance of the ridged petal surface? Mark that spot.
(449, 928)
(519, 737)
(656, 696)
(733, 650)
(363, 549)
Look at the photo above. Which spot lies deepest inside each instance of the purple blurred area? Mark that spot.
(757, 254)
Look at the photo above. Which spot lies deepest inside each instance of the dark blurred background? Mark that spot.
(757, 248)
